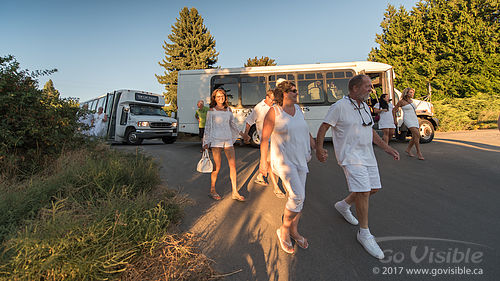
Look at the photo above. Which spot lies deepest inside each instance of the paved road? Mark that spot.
(440, 214)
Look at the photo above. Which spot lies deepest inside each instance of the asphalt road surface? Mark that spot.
(439, 216)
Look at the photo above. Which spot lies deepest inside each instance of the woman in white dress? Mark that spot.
(220, 133)
(386, 122)
(99, 122)
(291, 146)
(410, 119)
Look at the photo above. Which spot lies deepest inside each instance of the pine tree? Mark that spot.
(453, 45)
(192, 47)
(263, 61)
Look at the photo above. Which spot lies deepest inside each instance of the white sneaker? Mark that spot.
(346, 213)
(371, 246)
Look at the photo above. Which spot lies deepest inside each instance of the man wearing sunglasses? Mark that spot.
(353, 135)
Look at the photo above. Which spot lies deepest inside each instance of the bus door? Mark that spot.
(110, 112)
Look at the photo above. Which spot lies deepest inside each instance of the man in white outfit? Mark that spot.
(351, 122)
(257, 117)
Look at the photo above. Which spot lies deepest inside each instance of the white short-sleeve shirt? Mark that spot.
(352, 141)
(257, 116)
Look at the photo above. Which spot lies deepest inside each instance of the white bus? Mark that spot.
(134, 116)
(318, 85)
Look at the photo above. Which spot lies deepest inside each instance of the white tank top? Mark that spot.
(290, 142)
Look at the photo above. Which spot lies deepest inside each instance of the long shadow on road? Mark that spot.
(423, 208)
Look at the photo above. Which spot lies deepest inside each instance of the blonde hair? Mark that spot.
(406, 92)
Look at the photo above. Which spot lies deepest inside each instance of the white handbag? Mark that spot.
(205, 164)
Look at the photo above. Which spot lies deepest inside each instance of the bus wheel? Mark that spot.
(254, 137)
(132, 138)
(426, 131)
(168, 140)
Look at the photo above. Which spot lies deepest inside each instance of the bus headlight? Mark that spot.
(142, 124)
(174, 124)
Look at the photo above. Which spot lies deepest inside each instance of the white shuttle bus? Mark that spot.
(134, 116)
(318, 85)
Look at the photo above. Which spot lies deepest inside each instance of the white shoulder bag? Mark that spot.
(205, 164)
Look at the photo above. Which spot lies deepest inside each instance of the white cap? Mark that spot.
(279, 81)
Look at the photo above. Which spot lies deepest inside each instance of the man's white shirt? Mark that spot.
(257, 116)
(352, 141)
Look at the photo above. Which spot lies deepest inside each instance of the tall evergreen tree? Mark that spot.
(263, 61)
(192, 47)
(451, 44)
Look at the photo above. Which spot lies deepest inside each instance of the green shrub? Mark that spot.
(34, 123)
(477, 112)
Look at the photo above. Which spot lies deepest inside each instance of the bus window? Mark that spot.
(310, 87)
(253, 90)
(109, 104)
(230, 85)
(93, 105)
(100, 103)
(273, 78)
(337, 85)
(124, 116)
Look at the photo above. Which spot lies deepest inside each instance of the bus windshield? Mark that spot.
(137, 109)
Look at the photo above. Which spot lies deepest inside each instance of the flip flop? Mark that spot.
(279, 194)
(238, 198)
(261, 182)
(302, 242)
(215, 196)
(283, 243)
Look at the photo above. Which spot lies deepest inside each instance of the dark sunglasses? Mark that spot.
(292, 91)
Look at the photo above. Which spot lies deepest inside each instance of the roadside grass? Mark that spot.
(91, 215)
(478, 112)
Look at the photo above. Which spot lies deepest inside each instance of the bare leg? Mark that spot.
(285, 229)
(410, 145)
(232, 172)
(391, 134)
(294, 232)
(415, 137)
(386, 135)
(351, 198)
(362, 203)
(215, 172)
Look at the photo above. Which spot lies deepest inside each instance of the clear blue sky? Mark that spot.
(100, 46)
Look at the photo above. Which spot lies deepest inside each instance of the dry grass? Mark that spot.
(176, 258)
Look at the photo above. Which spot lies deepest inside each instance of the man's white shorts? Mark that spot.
(362, 178)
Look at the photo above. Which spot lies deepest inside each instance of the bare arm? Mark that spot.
(380, 143)
(208, 131)
(245, 135)
(264, 142)
(312, 142)
(395, 111)
(321, 153)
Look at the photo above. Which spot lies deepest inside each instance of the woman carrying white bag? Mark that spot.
(205, 164)
(220, 133)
